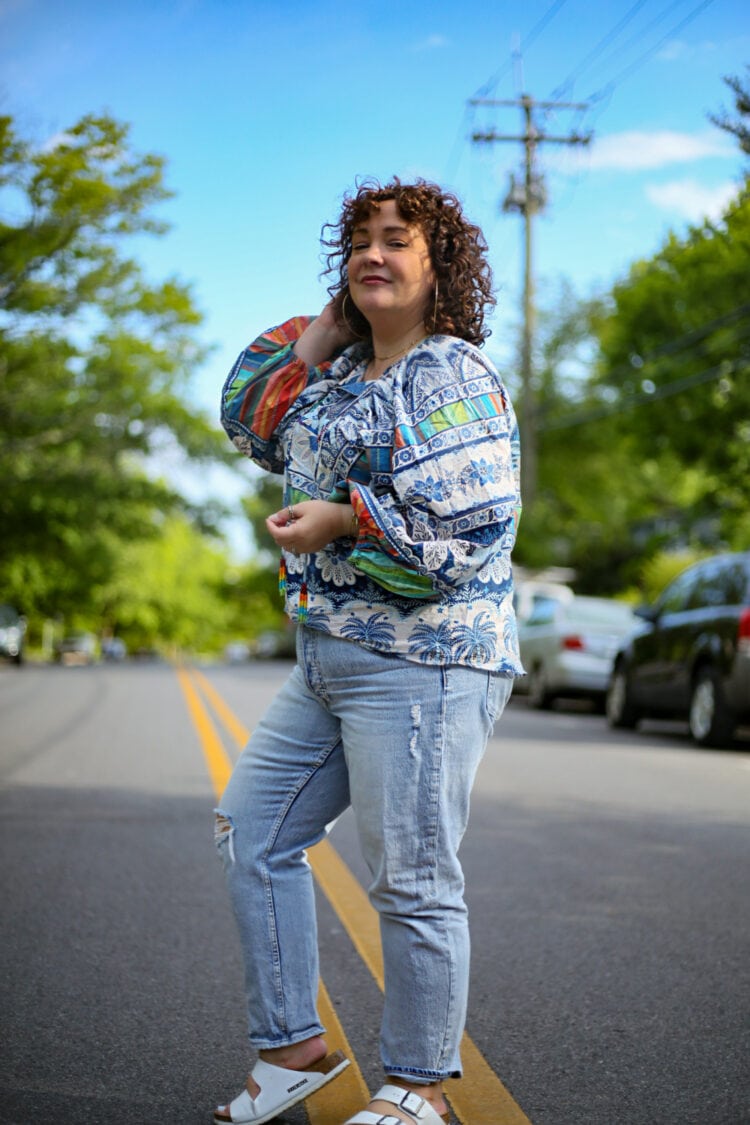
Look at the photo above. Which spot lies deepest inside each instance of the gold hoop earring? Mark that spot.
(357, 335)
(434, 311)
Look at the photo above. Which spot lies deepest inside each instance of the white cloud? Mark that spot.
(687, 199)
(431, 43)
(55, 141)
(677, 50)
(636, 150)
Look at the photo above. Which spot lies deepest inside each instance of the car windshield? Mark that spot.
(8, 615)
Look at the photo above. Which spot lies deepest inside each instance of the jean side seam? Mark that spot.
(433, 836)
(275, 946)
(450, 1004)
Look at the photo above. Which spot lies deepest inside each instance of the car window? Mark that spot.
(543, 612)
(719, 582)
(676, 597)
(708, 589)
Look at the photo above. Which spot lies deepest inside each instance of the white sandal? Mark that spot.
(418, 1108)
(280, 1089)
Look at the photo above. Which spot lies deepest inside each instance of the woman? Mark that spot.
(399, 451)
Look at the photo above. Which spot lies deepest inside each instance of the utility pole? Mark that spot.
(529, 198)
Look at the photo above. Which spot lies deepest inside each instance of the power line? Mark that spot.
(674, 347)
(667, 390)
(569, 82)
(642, 32)
(641, 59)
(532, 36)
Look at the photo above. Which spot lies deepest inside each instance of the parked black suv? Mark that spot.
(691, 657)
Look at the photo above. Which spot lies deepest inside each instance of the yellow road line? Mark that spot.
(238, 730)
(217, 759)
(349, 1091)
(346, 1094)
(479, 1098)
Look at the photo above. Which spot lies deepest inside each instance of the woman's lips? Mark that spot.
(373, 279)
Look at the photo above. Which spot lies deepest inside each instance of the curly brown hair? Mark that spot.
(457, 253)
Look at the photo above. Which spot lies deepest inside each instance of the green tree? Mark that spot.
(674, 372)
(738, 126)
(168, 590)
(94, 363)
(267, 497)
(648, 446)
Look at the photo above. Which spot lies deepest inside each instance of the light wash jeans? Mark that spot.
(401, 743)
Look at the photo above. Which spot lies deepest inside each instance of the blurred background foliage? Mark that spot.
(642, 410)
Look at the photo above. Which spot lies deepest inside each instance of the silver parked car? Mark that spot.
(567, 648)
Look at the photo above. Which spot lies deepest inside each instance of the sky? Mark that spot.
(267, 111)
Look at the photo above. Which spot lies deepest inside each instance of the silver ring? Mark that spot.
(290, 513)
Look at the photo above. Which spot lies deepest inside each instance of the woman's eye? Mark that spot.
(397, 242)
(359, 246)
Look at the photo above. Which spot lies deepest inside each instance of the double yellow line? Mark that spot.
(480, 1097)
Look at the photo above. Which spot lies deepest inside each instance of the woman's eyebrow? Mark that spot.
(386, 230)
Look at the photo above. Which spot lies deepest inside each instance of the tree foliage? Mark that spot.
(675, 365)
(267, 497)
(167, 589)
(652, 449)
(94, 362)
(739, 125)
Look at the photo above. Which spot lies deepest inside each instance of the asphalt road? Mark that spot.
(608, 884)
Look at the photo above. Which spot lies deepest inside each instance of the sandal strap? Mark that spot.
(417, 1107)
(280, 1089)
(367, 1117)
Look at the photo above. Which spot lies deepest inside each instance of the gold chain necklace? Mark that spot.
(401, 351)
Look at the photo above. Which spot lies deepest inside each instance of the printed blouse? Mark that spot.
(428, 457)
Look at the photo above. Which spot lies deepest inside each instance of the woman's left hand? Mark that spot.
(310, 525)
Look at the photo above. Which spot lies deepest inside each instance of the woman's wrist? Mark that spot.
(351, 522)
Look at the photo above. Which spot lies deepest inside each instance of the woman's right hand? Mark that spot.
(323, 338)
(311, 525)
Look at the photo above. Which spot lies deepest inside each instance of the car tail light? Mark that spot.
(573, 642)
(743, 633)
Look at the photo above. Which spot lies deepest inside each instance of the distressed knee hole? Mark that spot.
(224, 833)
(416, 720)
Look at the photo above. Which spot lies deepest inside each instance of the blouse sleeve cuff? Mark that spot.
(374, 556)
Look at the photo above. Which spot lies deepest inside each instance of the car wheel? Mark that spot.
(539, 694)
(711, 721)
(618, 705)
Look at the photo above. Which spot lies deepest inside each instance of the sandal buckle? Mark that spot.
(412, 1103)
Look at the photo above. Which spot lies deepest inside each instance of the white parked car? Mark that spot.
(530, 593)
(567, 648)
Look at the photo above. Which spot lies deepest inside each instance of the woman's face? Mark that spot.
(390, 273)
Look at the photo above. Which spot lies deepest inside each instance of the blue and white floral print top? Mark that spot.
(428, 456)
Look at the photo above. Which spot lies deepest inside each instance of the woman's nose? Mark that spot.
(374, 253)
